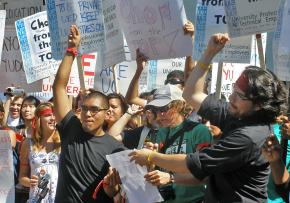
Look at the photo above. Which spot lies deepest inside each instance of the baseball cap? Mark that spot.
(164, 95)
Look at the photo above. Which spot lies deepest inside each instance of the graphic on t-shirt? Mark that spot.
(173, 149)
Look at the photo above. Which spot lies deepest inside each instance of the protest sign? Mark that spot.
(114, 50)
(12, 72)
(246, 17)
(210, 19)
(281, 43)
(73, 86)
(159, 69)
(2, 28)
(34, 39)
(7, 191)
(86, 14)
(17, 9)
(155, 27)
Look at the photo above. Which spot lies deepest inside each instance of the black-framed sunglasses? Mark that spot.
(161, 109)
(92, 109)
(174, 82)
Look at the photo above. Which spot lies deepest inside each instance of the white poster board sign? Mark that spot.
(7, 191)
(12, 72)
(210, 19)
(17, 9)
(86, 14)
(246, 17)
(2, 28)
(34, 39)
(159, 69)
(73, 86)
(155, 27)
(114, 39)
(281, 44)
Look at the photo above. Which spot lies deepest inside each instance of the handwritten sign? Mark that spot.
(34, 39)
(12, 72)
(155, 27)
(281, 48)
(250, 16)
(7, 191)
(86, 14)
(115, 44)
(210, 19)
(17, 9)
(2, 28)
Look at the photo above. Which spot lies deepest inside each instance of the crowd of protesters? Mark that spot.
(197, 148)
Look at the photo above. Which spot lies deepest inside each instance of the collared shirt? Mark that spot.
(236, 169)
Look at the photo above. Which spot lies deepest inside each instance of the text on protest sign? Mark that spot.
(155, 27)
(12, 72)
(7, 191)
(246, 17)
(210, 19)
(281, 43)
(86, 14)
(17, 9)
(34, 38)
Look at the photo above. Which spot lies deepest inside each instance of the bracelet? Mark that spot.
(203, 66)
(171, 177)
(72, 51)
(149, 157)
(129, 113)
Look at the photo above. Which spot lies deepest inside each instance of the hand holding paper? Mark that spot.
(74, 37)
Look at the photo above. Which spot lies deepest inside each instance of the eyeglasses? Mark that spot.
(240, 95)
(92, 109)
(162, 109)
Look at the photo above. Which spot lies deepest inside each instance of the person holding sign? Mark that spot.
(85, 144)
(233, 167)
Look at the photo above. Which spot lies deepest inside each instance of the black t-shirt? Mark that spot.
(82, 162)
(236, 169)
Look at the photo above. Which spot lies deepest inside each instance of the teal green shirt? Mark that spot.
(191, 140)
(273, 197)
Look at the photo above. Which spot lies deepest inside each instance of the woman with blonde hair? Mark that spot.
(39, 157)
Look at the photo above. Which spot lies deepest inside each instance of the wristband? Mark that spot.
(129, 113)
(72, 51)
(171, 177)
(149, 157)
(203, 66)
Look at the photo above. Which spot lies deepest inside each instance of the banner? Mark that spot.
(281, 43)
(2, 28)
(7, 191)
(155, 27)
(17, 9)
(86, 14)
(34, 39)
(246, 17)
(210, 19)
(12, 72)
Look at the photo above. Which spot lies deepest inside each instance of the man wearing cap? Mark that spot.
(234, 166)
(176, 135)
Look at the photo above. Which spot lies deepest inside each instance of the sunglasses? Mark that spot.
(174, 82)
(161, 109)
(92, 109)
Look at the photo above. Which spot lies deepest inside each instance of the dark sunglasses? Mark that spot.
(91, 109)
(161, 109)
(174, 82)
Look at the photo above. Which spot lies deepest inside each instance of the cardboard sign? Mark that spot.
(281, 43)
(7, 191)
(246, 17)
(86, 14)
(34, 39)
(155, 27)
(210, 19)
(12, 72)
(2, 28)
(17, 9)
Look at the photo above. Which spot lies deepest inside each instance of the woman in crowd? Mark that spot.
(40, 155)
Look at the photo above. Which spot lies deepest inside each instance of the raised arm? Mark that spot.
(189, 62)
(193, 91)
(61, 100)
(132, 96)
